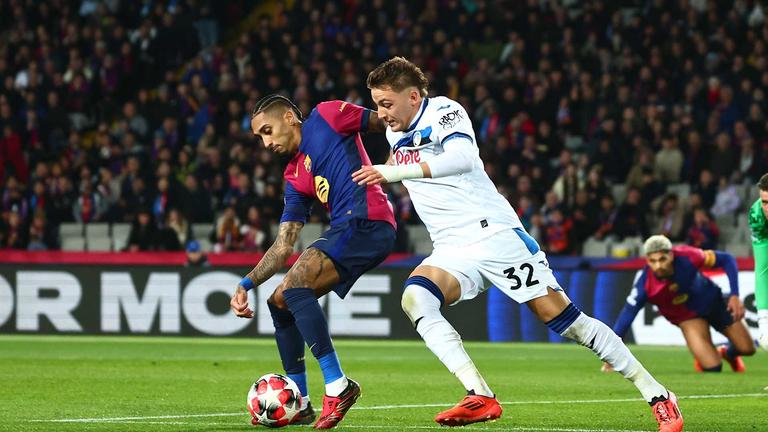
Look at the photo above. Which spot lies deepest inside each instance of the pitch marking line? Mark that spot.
(384, 407)
(343, 427)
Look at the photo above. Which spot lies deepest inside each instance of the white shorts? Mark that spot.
(510, 260)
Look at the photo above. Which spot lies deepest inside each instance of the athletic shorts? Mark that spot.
(511, 260)
(718, 316)
(355, 247)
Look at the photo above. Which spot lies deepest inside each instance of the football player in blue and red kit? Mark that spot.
(672, 280)
(326, 149)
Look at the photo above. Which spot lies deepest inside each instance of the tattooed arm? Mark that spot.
(270, 264)
(276, 255)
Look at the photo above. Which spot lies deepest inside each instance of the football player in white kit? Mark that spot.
(476, 234)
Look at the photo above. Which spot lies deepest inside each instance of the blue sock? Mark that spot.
(301, 381)
(314, 328)
(731, 352)
(290, 344)
(329, 363)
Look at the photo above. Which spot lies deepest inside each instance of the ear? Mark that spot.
(413, 95)
(289, 117)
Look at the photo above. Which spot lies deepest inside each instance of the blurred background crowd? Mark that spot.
(600, 121)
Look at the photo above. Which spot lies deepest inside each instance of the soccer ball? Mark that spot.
(274, 400)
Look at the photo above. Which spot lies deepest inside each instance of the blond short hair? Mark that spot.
(657, 243)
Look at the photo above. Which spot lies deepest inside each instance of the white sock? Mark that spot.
(762, 320)
(423, 309)
(598, 337)
(762, 324)
(304, 401)
(334, 388)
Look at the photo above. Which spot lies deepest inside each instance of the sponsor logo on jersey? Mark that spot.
(678, 300)
(443, 107)
(322, 188)
(451, 119)
(407, 157)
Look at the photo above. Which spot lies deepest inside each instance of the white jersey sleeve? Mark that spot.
(457, 209)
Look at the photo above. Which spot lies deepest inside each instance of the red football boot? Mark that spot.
(334, 407)
(697, 366)
(668, 414)
(737, 364)
(471, 409)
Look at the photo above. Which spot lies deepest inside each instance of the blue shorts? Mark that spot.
(718, 316)
(356, 246)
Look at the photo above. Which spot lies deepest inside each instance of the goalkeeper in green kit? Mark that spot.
(758, 223)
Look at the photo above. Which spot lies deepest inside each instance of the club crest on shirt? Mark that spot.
(673, 287)
(308, 163)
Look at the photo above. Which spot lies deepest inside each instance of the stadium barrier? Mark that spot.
(168, 300)
(153, 293)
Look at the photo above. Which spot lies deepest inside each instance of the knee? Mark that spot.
(277, 299)
(409, 300)
(417, 301)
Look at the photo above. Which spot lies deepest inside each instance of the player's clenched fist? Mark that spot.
(239, 303)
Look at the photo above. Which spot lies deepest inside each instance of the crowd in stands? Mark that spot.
(123, 111)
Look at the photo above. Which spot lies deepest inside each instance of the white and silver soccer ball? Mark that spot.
(274, 400)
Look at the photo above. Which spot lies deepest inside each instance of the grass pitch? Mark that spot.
(73, 383)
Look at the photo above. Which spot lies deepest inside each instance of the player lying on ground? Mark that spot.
(325, 148)
(476, 235)
(672, 281)
(758, 223)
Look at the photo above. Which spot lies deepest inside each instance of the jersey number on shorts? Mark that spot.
(529, 281)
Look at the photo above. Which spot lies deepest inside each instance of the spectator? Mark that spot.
(596, 186)
(89, 206)
(163, 200)
(227, 235)
(567, 185)
(630, 218)
(608, 93)
(15, 233)
(669, 161)
(606, 218)
(41, 237)
(585, 218)
(195, 256)
(727, 200)
(254, 237)
(704, 233)
(651, 188)
(670, 218)
(195, 201)
(558, 233)
(643, 161)
(143, 235)
(176, 231)
(706, 188)
(724, 159)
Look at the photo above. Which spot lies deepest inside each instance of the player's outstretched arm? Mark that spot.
(270, 264)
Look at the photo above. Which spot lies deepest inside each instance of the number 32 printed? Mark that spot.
(517, 282)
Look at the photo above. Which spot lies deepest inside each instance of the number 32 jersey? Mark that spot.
(457, 209)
